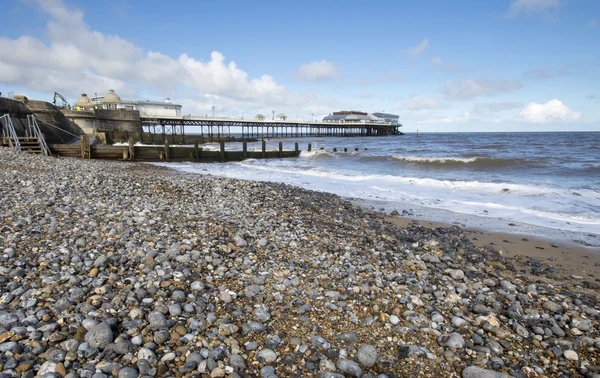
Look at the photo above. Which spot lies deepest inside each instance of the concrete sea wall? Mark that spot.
(62, 130)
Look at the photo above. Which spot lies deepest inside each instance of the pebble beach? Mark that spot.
(117, 269)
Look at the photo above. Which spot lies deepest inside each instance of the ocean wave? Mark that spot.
(434, 159)
(458, 185)
(317, 154)
(451, 160)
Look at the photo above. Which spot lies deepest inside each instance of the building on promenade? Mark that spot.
(112, 101)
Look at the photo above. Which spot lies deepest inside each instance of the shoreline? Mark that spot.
(567, 258)
(138, 270)
(553, 232)
(535, 254)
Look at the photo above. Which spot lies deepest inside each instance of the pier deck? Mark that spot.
(215, 127)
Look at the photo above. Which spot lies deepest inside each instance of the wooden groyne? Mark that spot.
(168, 152)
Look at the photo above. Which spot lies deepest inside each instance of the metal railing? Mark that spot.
(33, 131)
(8, 131)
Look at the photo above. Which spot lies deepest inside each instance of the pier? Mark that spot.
(218, 128)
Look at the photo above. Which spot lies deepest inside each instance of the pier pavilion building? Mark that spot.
(354, 116)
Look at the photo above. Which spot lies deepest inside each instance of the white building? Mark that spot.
(146, 108)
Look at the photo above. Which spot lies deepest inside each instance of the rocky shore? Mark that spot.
(128, 270)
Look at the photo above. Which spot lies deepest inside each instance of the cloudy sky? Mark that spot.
(462, 65)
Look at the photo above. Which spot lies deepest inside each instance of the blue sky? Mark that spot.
(497, 65)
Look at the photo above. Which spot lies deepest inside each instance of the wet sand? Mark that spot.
(567, 258)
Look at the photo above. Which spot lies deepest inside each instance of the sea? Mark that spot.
(545, 185)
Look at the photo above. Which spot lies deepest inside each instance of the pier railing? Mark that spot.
(9, 132)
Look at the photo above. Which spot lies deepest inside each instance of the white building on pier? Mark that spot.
(355, 116)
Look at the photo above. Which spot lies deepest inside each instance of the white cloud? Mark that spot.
(73, 59)
(495, 107)
(419, 49)
(545, 8)
(465, 89)
(422, 103)
(553, 111)
(318, 71)
(437, 61)
(446, 119)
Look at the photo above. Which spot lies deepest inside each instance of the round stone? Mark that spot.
(157, 320)
(477, 372)
(349, 367)
(178, 296)
(367, 355)
(128, 372)
(267, 355)
(455, 341)
(571, 355)
(99, 336)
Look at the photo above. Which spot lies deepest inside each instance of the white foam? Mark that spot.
(315, 153)
(432, 159)
(474, 186)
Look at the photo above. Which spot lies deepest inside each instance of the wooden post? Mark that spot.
(200, 154)
(334, 149)
(245, 149)
(196, 150)
(125, 155)
(280, 148)
(356, 149)
(161, 155)
(86, 151)
(309, 147)
(222, 145)
(264, 148)
(166, 150)
(131, 149)
(296, 147)
(345, 149)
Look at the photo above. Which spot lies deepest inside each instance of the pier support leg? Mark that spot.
(196, 151)
(222, 145)
(264, 149)
(280, 149)
(245, 149)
